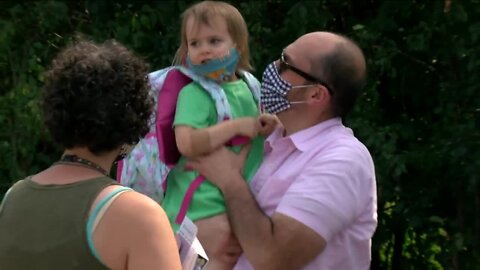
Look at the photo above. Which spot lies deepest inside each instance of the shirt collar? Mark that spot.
(303, 139)
(276, 135)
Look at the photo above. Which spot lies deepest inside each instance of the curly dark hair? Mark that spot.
(96, 96)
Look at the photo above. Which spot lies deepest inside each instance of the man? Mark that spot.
(312, 203)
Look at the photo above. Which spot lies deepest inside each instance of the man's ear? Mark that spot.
(318, 94)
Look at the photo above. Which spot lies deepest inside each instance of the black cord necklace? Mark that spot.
(76, 160)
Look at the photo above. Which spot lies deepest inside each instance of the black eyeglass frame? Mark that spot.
(302, 73)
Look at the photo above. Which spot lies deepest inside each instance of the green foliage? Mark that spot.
(419, 115)
(28, 37)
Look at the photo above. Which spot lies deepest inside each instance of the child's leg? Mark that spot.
(220, 244)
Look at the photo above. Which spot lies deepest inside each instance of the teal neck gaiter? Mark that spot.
(218, 69)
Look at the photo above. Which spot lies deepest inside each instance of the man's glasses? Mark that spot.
(284, 66)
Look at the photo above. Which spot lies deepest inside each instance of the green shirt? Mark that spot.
(44, 226)
(195, 108)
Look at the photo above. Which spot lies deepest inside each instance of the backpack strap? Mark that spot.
(253, 85)
(215, 91)
(172, 83)
(188, 198)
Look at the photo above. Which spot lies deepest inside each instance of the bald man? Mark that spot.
(312, 203)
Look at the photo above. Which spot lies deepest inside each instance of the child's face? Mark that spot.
(205, 42)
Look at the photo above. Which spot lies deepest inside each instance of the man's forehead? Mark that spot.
(296, 54)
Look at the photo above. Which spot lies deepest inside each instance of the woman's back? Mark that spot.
(44, 226)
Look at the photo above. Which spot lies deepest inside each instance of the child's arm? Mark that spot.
(268, 122)
(193, 142)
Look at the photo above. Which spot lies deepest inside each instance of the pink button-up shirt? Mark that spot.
(325, 178)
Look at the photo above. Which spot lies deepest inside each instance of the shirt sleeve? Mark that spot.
(329, 193)
(195, 108)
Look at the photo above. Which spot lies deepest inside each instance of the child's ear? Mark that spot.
(239, 48)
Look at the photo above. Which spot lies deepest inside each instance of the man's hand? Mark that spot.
(219, 166)
(218, 240)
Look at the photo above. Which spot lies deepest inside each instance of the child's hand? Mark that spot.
(247, 126)
(268, 122)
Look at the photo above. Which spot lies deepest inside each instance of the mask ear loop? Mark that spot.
(297, 102)
(299, 87)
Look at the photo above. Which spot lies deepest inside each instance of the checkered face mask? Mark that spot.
(274, 90)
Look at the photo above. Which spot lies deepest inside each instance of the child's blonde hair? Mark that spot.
(203, 12)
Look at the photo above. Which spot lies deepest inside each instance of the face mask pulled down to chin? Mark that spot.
(218, 69)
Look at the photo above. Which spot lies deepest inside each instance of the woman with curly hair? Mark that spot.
(73, 215)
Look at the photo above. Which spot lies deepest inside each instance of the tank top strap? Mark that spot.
(97, 215)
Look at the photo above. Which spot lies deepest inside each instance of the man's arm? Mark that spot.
(218, 240)
(279, 242)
